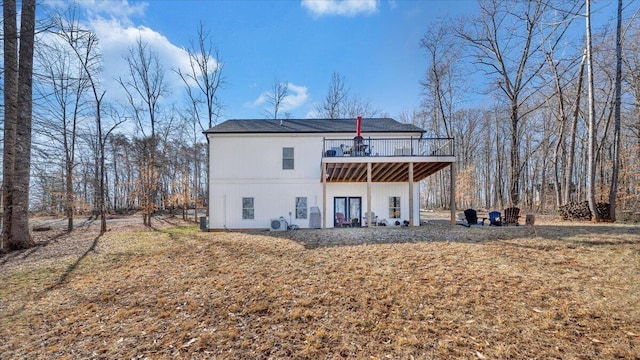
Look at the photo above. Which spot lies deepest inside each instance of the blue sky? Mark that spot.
(373, 44)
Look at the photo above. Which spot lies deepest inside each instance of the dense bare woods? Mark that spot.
(529, 146)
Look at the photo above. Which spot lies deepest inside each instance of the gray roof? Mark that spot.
(307, 126)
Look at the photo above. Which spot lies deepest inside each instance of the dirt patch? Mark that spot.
(552, 291)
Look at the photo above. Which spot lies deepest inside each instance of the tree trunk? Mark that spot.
(568, 180)
(499, 170)
(613, 190)
(101, 142)
(10, 117)
(514, 185)
(561, 136)
(21, 237)
(69, 192)
(591, 139)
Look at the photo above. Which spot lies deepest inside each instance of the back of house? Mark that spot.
(272, 174)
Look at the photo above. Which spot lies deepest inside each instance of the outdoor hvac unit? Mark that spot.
(278, 224)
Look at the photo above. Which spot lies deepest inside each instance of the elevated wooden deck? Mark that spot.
(391, 160)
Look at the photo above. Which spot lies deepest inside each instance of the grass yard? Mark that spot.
(568, 291)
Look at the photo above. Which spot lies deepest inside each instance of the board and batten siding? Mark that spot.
(250, 165)
(380, 193)
(273, 200)
(242, 157)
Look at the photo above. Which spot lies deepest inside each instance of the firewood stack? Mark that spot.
(603, 210)
(579, 210)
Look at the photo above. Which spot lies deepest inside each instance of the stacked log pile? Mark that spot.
(579, 210)
(575, 210)
(603, 210)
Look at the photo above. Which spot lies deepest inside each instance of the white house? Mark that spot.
(264, 170)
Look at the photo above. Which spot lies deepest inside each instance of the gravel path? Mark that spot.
(317, 238)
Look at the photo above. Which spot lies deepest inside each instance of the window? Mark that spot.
(394, 207)
(247, 208)
(301, 208)
(287, 158)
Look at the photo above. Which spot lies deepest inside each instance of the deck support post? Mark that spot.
(324, 195)
(411, 194)
(369, 194)
(453, 193)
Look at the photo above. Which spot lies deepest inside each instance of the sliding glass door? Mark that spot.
(350, 207)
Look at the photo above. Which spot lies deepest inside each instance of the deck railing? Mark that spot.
(388, 147)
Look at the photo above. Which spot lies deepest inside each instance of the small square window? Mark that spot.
(248, 212)
(287, 158)
(301, 208)
(394, 207)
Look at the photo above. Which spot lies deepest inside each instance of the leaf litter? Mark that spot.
(565, 290)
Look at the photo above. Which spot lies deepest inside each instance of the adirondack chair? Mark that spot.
(374, 219)
(495, 218)
(341, 221)
(511, 216)
(471, 218)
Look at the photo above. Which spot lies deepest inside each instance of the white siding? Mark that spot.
(259, 157)
(250, 165)
(271, 200)
(380, 193)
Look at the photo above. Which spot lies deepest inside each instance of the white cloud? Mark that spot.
(121, 9)
(117, 9)
(340, 7)
(116, 32)
(261, 99)
(296, 97)
(115, 40)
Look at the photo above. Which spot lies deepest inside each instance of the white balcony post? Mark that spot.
(411, 194)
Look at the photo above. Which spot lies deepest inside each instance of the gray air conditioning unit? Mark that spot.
(279, 224)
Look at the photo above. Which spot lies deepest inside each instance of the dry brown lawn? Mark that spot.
(569, 291)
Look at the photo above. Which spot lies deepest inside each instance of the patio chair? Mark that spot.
(374, 219)
(471, 218)
(511, 216)
(495, 218)
(341, 221)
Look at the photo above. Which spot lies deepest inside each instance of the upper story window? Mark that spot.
(287, 158)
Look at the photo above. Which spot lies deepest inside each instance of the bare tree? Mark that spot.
(355, 106)
(438, 86)
(84, 44)
(63, 86)
(276, 97)
(563, 157)
(202, 82)
(331, 107)
(10, 28)
(613, 190)
(338, 103)
(591, 134)
(508, 38)
(18, 115)
(144, 86)
(568, 180)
